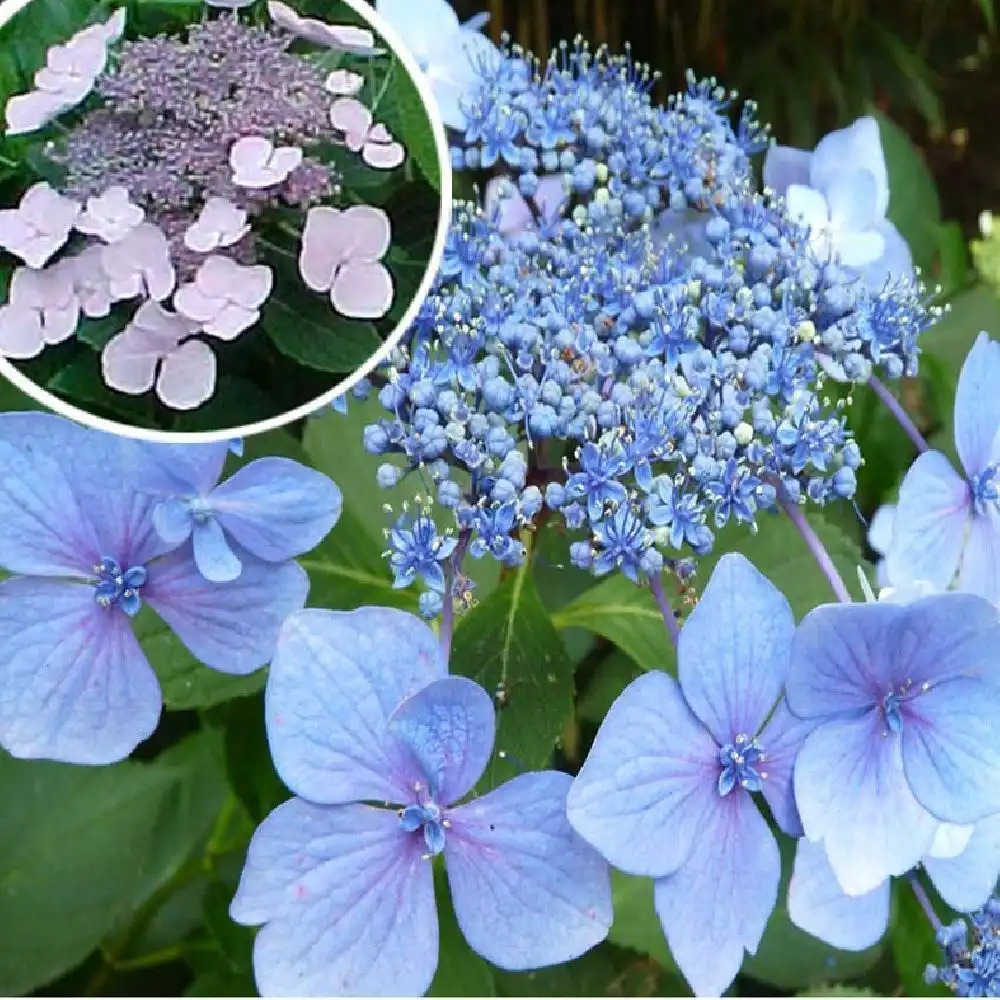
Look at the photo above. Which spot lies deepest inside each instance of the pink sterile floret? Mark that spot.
(344, 83)
(39, 226)
(110, 216)
(340, 37)
(154, 348)
(257, 163)
(375, 142)
(341, 254)
(140, 264)
(225, 297)
(220, 224)
(43, 309)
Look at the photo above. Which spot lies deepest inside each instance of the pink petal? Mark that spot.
(192, 302)
(231, 320)
(284, 17)
(379, 133)
(20, 333)
(253, 286)
(383, 156)
(369, 232)
(129, 360)
(250, 152)
(348, 38)
(351, 117)
(285, 160)
(60, 324)
(29, 112)
(362, 290)
(343, 81)
(324, 247)
(187, 378)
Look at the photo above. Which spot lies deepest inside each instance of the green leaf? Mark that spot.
(509, 641)
(75, 847)
(186, 682)
(914, 205)
(913, 943)
(404, 114)
(636, 924)
(460, 972)
(838, 991)
(610, 678)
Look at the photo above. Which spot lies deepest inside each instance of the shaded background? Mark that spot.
(813, 65)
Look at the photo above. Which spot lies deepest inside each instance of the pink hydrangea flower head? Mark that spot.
(258, 164)
(42, 309)
(39, 226)
(361, 135)
(225, 297)
(341, 254)
(156, 349)
(220, 224)
(139, 264)
(110, 216)
(339, 37)
(344, 83)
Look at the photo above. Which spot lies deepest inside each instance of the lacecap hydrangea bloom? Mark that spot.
(175, 175)
(78, 536)
(380, 746)
(579, 353)
(668, 787)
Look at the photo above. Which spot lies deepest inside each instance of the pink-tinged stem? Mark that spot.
(451, 572)
(669, 618)
(924, 901)
(816, 547)
(894, 406)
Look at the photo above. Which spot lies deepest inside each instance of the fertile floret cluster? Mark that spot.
(972, 954)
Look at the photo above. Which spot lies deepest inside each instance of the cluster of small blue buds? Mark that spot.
(647, 372)
(972, 954)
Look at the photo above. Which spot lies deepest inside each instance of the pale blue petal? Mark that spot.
(733, 652)
(457, 72)
(965, 882)
(931, 517)
(449, 726)
(527, 891)
(852, 199)
(335, 680)
(980, 570)
(783, 166)
(842, 659)
(92, 463)
(781, 742)
(717, 905)
(346, 900)
(859, 146)
(175, 469)
(896, 262)
(233, 626)
(652, 767)
(853, 796)
(276, 508)
(477, 22)
(880, 528)
(977, 406)
(950, 751)
(808, 206)
(216, 561)
(74, 684)
(818, 905)
(173, 520)
(420, 24)
(550, 197)
(43, 530)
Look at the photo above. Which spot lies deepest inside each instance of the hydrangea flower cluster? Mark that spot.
(626, 333)
(90, 532)
(195, 146)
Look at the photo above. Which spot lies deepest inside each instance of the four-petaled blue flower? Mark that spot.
(666, 789)
(946, 525)
(904, 700)
(78, 535)
(360, 709)
(272, 508)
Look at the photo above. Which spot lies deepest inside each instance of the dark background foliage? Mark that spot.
(116, 881)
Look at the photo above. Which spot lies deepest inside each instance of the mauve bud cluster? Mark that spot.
(175, 106)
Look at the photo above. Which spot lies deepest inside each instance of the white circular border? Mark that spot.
(9, 8)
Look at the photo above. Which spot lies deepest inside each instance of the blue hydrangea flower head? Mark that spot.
(272, 508)
(360, 709)
(962, 863)
(947, 525)
(841, 190)
(667, 789)
(972, 954)
(904, 701)
(80, 542)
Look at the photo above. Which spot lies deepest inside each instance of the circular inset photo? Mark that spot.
(213, 218)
